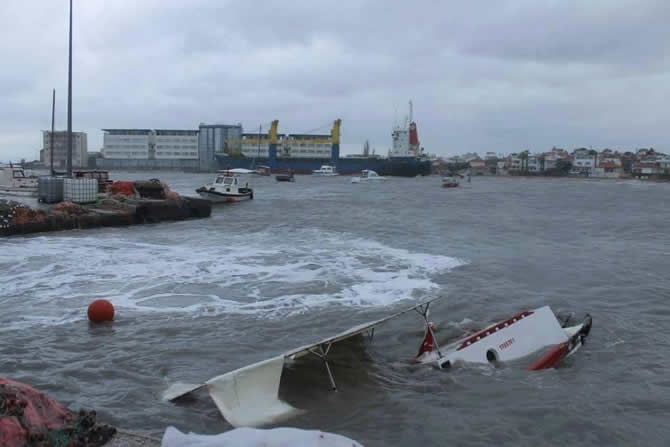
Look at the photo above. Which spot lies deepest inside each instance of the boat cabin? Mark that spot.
(325, 170)
(228, 181)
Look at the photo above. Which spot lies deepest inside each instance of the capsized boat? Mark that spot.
(249, 396)
(516, 338)
(229, 186)
(15, 182)
(367, 175)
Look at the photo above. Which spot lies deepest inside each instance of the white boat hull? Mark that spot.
(18, 192)
(217, 197)
(368, 180)
(516, 338)
(228, 187)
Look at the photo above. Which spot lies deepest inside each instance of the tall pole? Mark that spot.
(51, 143)
(69, 103)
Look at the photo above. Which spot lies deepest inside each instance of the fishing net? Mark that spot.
(122, 188)
(14, 213)
(31, 418)
(69, 208)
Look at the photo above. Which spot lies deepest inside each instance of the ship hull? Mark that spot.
(394, 166)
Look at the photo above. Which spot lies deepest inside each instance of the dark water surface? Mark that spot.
(308, 259)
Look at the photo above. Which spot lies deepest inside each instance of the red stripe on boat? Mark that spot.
(428, 343)
(551, 358)
(482, 334)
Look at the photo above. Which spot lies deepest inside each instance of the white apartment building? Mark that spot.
(127, 143)
(149, 144)
(176, 144)
(79, 149)
(584, 161)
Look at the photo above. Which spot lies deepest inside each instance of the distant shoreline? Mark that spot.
(591, 179)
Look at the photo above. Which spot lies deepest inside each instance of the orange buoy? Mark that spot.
(100, 310)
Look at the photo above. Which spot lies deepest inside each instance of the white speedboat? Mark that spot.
(14, 181)
(325, 171)
(367, 175)
(527, 333)
(228, 186)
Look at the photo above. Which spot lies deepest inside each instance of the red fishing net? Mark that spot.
(31, 418)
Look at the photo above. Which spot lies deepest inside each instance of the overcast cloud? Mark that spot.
(484, 75)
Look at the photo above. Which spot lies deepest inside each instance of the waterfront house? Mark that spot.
(609, 168)
(478, 166)
(584, 161)
(535, 164)
(644, 169)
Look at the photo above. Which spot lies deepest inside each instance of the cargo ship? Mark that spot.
(303, 153)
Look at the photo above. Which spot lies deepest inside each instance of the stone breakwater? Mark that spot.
(17, 218)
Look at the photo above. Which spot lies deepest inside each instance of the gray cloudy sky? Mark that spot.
(484, 75)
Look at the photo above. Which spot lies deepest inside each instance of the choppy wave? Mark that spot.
(261, 273)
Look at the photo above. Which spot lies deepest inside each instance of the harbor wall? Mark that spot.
(156, 164)
(16, 219)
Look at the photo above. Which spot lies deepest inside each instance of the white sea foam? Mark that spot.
(51, 280)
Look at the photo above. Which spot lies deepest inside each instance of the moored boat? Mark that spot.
(325, 171)
(285, 177)
(449, 182)
(263, 170)
(14, 181)
(367, 175)
(228, 187)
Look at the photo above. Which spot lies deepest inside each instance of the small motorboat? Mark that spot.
(15, 182)
(449, 182)
(286, 177)
(520, 337)
(263, 170)
(325, 171)
(367, 175)
(228, 187)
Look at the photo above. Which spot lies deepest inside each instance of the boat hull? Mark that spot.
(374, 179)
(394, 166)
(285, 178)
(18, 192)
(218, 197)
(516, 338)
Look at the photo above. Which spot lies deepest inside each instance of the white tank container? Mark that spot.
(80, 190)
